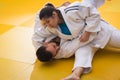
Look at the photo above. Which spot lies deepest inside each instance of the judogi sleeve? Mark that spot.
(92, 20)
(88, 14)
(41, 33)
(84, 13)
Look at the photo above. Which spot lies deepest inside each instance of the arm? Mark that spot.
(84, 18)
(40, 33)
(68, 48)
(92, 21)
(85, 36)
(40, 37)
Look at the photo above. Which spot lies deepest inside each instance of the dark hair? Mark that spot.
(43, 55)
(46, 12)
(49, 5)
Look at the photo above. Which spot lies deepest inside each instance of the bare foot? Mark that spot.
(72, 77)
(75, 74)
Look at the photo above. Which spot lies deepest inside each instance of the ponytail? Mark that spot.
(49, 5)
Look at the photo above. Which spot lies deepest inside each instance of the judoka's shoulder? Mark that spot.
(80, 4)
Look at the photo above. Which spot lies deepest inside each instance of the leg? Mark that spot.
(115, 39)
(83, 59)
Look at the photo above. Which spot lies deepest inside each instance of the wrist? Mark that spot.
(87, 32)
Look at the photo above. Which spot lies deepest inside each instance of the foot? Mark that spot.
(72, 77)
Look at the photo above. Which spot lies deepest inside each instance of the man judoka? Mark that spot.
(57, 49)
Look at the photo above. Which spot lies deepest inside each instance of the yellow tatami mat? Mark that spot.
(4, 28)
(17, 54)
(13, 70)
(14, 44)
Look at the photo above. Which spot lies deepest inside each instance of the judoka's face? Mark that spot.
(52, 47)
(51, 21)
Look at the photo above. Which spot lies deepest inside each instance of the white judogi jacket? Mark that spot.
(79, 17)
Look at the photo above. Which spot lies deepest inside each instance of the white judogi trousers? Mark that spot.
(84, 55)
